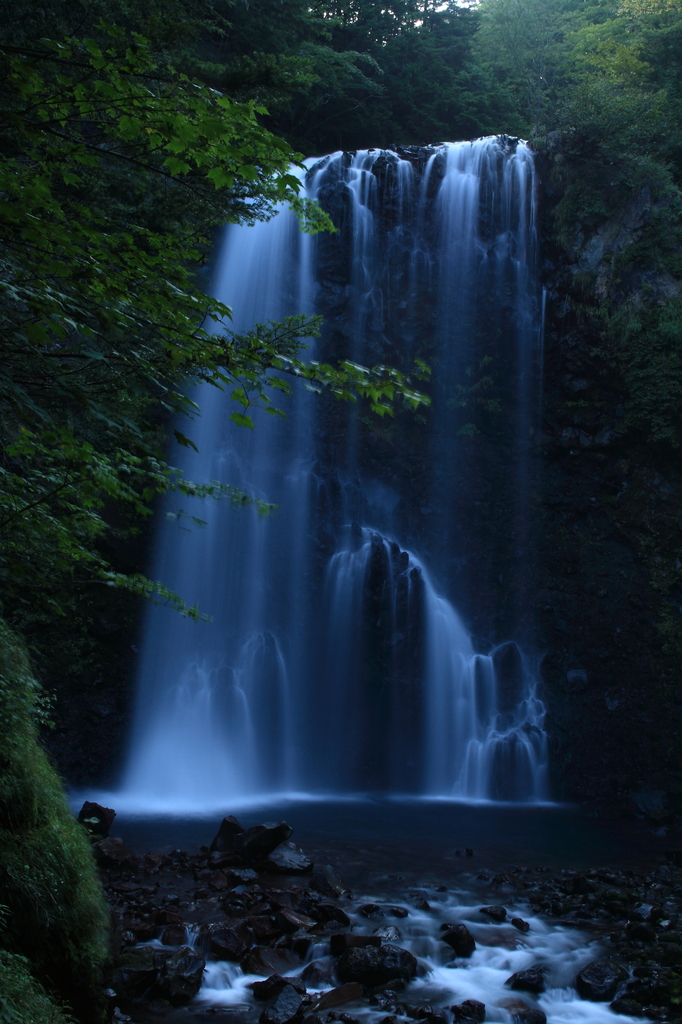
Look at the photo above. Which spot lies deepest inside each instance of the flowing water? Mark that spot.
(336, 660)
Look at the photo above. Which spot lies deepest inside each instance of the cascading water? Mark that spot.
(334, 662)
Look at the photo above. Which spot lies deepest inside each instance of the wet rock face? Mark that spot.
(598, 586)
(372, 967)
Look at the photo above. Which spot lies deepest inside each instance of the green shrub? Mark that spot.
(56, 914)
(22, 999)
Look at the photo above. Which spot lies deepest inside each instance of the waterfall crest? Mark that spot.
(335, 661)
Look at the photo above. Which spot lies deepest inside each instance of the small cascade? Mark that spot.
(335, 660)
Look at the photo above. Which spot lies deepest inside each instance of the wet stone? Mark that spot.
(265, 961)
(113, 853)
(471, 1010)
(339, 943)
(460, 940)
(627, 1007)
(371, 910)
(282, 1007)
(226, 838)
(495, 913)
(641, 931)
(228, 944)
(600, 980)
(530, 980)
(347, 993)
(181, 976)
(290, 921)
(174, 935)
(286, 859)
(373, 967)
(528, 1015)
(273, 985)
(326, 882)
(258, 842)
(326, 913)
(319, 973)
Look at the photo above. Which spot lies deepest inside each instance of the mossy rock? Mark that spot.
(56, 915)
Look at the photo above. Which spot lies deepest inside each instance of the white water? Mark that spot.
(501, 950)
(296, 686)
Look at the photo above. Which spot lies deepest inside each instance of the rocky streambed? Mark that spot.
(249, 929)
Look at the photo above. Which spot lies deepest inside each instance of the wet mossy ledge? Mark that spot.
(54, 939)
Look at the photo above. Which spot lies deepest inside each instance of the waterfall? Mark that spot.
(335, 660)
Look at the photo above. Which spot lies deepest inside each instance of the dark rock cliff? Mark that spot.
(609, 588)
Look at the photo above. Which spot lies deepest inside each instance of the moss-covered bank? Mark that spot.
(55, 914)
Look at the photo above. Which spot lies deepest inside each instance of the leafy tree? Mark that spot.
(118, 167)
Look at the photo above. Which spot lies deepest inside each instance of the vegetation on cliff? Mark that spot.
(54, 934)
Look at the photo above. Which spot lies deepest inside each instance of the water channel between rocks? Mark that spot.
(423, 865)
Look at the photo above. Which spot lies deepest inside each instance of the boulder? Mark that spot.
(174, 934)
(320, 973)
(137, 970)
(641, 931)
(96, 818)
(229, 943)
(290, 921)
(265, 961)
(144, 931)
(388, 933)
(226, 838)
(273, 985)
(600, 980)
(282, 1007)
(113, 853)
(286, 859)
(258, 842)
(346, 940)
(264, 928)
(181, 976)
(520, 924)
(373, 966)
(471, 1011)
(496, 913)
(347, 993)
(326, 882)
(460, 939)
(371, 910)
(627, 1007)
(326, 913)
(225, 858)
(530, 980)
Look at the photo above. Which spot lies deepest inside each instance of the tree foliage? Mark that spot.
(118, 168)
